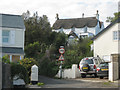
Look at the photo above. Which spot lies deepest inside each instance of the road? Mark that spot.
(76, 83)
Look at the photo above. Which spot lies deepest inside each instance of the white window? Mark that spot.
(116, 35)
(5, 36)
(119, 35)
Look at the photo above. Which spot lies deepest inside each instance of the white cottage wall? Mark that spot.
(91, 30)
(105, 45)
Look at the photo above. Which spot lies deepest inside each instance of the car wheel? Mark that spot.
(101, 77)
(83, 75)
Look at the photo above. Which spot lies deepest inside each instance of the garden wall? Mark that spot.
(69, 73)
(6, 76)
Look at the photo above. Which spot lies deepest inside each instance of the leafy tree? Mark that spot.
(75, 53)
(60, 40)
(37, 28)
(111, 19)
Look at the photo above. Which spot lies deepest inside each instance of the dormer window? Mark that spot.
(5, 36)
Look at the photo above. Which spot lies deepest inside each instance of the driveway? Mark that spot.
(88, 82)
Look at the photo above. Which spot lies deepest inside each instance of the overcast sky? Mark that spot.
(65, 8)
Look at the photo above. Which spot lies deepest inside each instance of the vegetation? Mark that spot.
(111, 19)
(39, 84)
(19, 70)
(6, 59)
(43, 45)
(75, 53)
(27, 63)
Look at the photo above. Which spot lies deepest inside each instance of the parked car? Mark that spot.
(102, 70)
(87, 66)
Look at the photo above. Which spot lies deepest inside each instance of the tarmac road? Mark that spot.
(88, 82)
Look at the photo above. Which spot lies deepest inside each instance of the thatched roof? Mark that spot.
(75, 22)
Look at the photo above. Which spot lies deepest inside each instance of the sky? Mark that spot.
(65, 8)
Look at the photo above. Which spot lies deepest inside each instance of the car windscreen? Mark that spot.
(88, 61)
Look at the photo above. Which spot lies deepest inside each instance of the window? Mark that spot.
(116, 35)
(5, 36)
(88, 61)
(96, 62)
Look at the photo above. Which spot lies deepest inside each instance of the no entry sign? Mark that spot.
(61, 50)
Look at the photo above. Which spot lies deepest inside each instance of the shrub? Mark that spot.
(17, 69)
(28, 63)
(48, 68)
(6, 59)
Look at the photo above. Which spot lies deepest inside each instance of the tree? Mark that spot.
(111, 19)
(74, 54)
(37, 28)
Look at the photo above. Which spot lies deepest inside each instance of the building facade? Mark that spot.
(107, 42)
(12, 31)
(85, 26)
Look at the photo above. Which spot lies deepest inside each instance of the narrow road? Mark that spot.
(76, 83)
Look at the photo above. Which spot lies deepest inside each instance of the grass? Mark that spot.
(40, 84)
(106, 83)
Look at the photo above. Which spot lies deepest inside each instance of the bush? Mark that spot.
(28, 63)
(48, 68)
(17, 69)
(6, 59)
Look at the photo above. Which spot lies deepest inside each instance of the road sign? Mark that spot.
(61, 58)
(61, 50)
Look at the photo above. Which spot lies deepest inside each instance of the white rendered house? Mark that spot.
(81, 26)
(107, 42)
(12, 31)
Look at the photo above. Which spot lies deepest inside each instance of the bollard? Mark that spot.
(34, 74)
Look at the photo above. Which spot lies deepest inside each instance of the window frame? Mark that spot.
(116, 35)
(6, 36)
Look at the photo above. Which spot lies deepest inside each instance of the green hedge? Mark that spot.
(17, 69)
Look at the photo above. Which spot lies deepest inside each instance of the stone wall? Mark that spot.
(6, 76)
(114, 67)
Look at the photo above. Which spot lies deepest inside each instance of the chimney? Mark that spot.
(83, 15)
(57, 16)
(97, 15)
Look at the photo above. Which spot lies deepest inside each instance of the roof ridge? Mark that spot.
(10, 14)
(78, 18)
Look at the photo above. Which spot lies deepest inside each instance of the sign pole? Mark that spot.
(61, 70)
(61, 58)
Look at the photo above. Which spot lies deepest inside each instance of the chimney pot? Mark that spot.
(83, 15)
(57, 16)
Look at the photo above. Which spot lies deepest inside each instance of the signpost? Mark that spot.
(61, 58)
